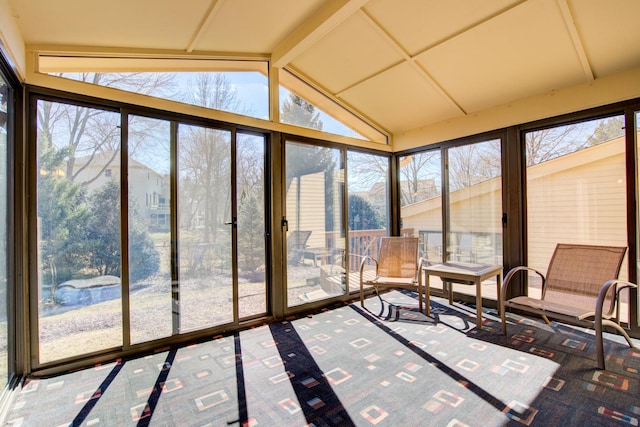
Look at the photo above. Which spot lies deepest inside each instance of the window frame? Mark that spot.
(16, 313)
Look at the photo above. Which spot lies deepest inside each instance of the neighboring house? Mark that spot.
(378, 194)
(148, 189)
(306, 207)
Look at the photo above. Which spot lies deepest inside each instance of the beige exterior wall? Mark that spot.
(469, 207)
(578, 198)
(308, 213)
(311, 215)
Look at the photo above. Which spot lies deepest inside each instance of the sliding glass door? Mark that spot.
(180, 248)
(252, 220)
(315, 221)
(451, 199)
(474, 201)
(79, 306)
(221, 198)
(205, 227)
(149, 203)
(421, 201)
(368, 214)
(6, 98)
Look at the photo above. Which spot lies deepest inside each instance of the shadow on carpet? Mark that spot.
(385, 364)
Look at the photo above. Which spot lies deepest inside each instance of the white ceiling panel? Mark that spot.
(522, 52)
(149, 24)
(418, 24)
(403, 63)
(350, 53)
(254, 26)
(610, 33)
(401, 99)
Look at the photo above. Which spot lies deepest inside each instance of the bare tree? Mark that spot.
(474, 163)
(205, 157)
(214, 90)
(87, 132)
(250, 164)
(419, 177)
(366, 170)
(549, 143)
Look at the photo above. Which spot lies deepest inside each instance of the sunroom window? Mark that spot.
(241, 87)
(302, 105)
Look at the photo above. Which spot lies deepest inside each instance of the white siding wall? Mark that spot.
(309, 215)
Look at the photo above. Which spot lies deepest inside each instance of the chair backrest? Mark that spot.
(577, 272)
(297, 239)
(398, 257)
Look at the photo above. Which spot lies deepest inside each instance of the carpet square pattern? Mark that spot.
(383, 365)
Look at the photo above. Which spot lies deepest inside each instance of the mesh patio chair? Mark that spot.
(581, 287)
(396, 267)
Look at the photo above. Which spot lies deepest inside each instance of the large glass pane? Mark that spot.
(252, 288)
(368, 190)
(475, 209)
(421, 201)
(245, 88)
(475, 203)
(204, 241)
(303, 105)
(575, 190)
(314, 210)
(78, 211)
(4, 330)
(149, 229)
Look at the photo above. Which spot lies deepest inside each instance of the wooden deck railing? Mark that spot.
(363, 243)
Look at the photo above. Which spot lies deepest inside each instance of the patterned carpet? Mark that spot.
(384, 365)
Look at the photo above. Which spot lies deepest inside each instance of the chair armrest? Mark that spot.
(507, 281)
(362, 264)
(603, 294)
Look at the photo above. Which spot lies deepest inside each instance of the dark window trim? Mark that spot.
(15, 211)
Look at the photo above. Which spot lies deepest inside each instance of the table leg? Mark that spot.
(499, 285)
(420, 296)
(427, 294)
(479, 303)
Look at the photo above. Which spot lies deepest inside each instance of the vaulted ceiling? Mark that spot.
(401, 63)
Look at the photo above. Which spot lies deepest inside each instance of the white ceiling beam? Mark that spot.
(204, 24)
(570, 23)
(120, 52)
(317, 26)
